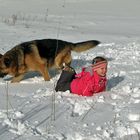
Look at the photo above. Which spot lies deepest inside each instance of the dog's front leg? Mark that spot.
(17, 78)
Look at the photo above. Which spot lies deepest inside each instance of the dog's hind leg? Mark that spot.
(42, 68)
(63, 57)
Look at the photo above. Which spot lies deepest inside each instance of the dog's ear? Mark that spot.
(7, 62)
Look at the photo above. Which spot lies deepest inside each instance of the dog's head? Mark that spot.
(2, 74)
(1, 56)
(7, 63)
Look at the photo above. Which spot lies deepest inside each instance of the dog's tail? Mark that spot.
(83, 46)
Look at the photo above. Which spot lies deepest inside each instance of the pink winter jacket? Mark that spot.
(88, 82)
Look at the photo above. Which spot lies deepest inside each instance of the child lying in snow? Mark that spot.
(91, 80)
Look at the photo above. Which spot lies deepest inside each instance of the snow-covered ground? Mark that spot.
(32, 110)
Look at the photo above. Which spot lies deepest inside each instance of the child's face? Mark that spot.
(101, 71)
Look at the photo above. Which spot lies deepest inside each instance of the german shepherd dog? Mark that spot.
(40, 55)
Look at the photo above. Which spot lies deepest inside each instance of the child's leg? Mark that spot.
(64, 81)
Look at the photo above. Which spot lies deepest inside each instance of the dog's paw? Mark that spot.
(47, 79)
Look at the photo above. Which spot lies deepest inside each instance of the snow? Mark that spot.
(32, 110)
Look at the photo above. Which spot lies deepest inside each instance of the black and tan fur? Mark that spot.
(40, 55)
(1, 73)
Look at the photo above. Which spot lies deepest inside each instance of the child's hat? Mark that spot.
(99, 62)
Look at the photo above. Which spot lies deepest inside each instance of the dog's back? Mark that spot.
(49, 48)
